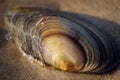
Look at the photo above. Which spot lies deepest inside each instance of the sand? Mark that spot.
(105, 14)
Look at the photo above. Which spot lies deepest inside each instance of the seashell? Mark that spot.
(60, 41)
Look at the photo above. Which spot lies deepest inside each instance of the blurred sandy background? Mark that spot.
(13, 66)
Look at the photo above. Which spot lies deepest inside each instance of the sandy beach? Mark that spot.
(105, 14)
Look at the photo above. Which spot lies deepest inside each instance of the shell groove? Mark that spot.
(40, 34)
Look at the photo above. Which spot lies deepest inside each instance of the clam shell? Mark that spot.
(30, 27)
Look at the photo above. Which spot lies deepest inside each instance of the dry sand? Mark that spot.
(13, 66)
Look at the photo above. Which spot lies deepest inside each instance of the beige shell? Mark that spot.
(60, 41)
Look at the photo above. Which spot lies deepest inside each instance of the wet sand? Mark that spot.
(105, 14)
